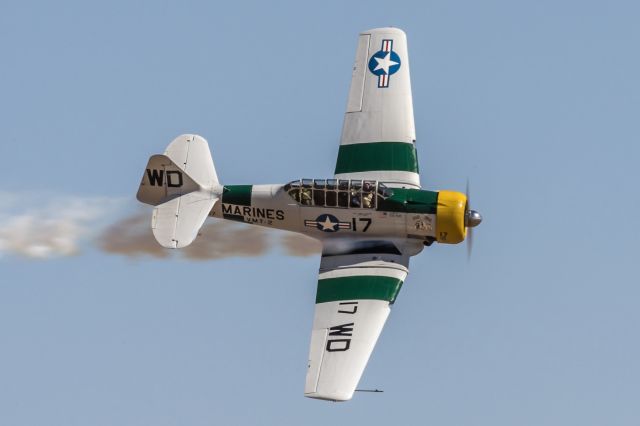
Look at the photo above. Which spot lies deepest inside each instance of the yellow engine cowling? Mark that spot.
(450, 212)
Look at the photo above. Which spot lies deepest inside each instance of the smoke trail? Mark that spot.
(132, 236)
(34, 227)
(300, 245)
(227, 239)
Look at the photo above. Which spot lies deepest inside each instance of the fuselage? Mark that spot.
(330, 208)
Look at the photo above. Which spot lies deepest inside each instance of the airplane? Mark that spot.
(371, 216)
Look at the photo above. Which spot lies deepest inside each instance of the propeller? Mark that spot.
(471, 219)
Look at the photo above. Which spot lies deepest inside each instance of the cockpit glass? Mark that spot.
(293, 189)
(384, 192)
(292, 184)
(336, 193)
(369, 186)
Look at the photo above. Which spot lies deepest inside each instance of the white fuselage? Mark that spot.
(271, 206)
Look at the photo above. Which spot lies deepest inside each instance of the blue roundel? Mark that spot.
(327, 223)
(382, 63)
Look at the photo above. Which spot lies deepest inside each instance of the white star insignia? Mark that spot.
(327, 224)
(384, 63)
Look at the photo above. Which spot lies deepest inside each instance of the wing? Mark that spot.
(378, 135)
(353, 301)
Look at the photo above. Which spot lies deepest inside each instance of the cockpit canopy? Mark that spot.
(337, 192)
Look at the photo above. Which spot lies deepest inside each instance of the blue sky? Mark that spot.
(535, 102)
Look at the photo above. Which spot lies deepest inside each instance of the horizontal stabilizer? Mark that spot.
(183, 186)
(176, 223)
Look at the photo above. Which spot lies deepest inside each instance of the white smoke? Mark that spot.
(42, 228)
(36, 227)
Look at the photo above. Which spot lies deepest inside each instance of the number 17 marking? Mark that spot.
(362, 219)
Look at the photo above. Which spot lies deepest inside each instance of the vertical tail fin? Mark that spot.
(183, 186)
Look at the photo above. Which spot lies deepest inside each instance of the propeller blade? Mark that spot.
(469, 229)
(467, 192)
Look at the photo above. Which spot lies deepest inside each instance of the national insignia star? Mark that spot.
(384, 63)
(327, 224)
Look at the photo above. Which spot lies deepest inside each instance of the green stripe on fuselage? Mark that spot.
(359, 287)
(237, 194)
(365, 157)
(409, 201)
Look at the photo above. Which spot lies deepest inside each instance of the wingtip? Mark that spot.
(333, 397)
(385, 30)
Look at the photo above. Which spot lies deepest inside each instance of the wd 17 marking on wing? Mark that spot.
(344, 331)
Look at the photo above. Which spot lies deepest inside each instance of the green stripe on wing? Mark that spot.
(365, 157)
(358, 287)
